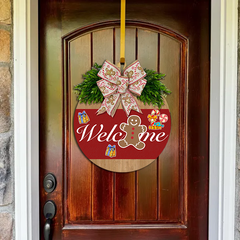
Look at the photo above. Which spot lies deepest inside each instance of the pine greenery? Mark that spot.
(88, 91)
(153, 93)
(154, 90)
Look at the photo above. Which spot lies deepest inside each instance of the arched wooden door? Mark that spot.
(168, 198)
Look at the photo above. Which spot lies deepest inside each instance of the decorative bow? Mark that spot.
(116, 88)
(152, 118)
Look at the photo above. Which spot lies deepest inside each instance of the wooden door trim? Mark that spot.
(129, 23)
(131, 226)
(222, 131)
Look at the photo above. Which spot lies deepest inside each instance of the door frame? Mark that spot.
(223, 102)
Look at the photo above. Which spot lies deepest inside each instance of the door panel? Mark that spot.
(168, 198)
(153, 192)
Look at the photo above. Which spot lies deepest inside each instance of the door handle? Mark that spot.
(47, 229)
(49, 212)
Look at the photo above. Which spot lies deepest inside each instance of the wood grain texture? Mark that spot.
(103, 46)
(102, 180)
(146, 193)
(125, 197)
(50, 115)
(102, 194)
(126, 234)
(169, 165)
(147, 52)
(79, 185)
(111, 199)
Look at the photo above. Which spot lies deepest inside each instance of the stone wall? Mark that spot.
(6, 122)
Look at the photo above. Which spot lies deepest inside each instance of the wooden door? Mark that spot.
(167, 199)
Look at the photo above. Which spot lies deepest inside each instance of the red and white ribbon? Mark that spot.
(116, 88)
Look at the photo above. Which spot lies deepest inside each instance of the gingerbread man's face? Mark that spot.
(134, 120)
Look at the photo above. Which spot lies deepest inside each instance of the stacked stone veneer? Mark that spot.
(6, 122)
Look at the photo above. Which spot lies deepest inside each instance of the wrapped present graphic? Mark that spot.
(83, 117)
(111, 151)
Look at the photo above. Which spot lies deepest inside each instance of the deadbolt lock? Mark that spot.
(49, 183)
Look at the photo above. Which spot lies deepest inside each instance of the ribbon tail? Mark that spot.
(103, 108)
(115, 107)
(110, 105)
(129, 103)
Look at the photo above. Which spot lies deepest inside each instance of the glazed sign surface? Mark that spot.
(138, 136)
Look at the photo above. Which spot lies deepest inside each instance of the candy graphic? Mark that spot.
(163, 118)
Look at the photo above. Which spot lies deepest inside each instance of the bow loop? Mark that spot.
(135, 72)
(109, 72)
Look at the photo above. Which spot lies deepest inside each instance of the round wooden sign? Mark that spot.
(121, 143)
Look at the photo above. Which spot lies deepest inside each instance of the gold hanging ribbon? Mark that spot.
(122, 36)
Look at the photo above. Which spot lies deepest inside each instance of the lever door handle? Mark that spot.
(49, 212)
(47, 229)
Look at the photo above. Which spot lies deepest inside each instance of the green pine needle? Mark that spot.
(153, 93)
(154, 90)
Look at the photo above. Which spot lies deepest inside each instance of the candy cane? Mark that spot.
(155, 112)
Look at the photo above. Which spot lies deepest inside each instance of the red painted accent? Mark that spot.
(106, 130)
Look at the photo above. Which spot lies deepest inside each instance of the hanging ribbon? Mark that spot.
(122, 34)
(116, 88)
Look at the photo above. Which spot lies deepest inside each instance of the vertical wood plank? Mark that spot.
(102, 196)
(147, 49)
(169, 159)
(79, 178)
(125, 182)
(125, 196)
(102, 180)
(103, 46)
(147, 193)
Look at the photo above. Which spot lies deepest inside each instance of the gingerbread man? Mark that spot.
(132, 128)
(110, 72)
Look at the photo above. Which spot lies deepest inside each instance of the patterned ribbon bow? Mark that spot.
(116, 88)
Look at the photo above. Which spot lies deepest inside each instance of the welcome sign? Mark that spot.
(122, 135)
(140, 136)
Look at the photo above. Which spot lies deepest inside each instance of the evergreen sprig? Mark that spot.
(154, 90)
(153, 93)
(88, 91)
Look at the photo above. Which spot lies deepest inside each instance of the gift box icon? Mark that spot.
(83, 117)
(111, 151)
